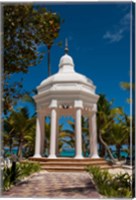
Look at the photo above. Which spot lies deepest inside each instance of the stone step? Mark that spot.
(69, 164)
(66, 159)
(71, 169)
(72, 163)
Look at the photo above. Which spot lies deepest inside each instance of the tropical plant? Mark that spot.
(10, 176)
(24, 128)
(29, 138)
(118, 185)
(68, 136)
(85, 137)
(13, 174)
(9, 135)
(28, 168)
(49, 28)
(105, 120)
(119, 136)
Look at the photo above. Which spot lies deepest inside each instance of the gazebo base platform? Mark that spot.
(70, 164)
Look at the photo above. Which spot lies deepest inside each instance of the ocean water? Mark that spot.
(72, 154)
(69, 153)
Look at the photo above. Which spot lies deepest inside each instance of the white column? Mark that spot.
(38, 136)
(57, 135)
(42, 134)
(53, 134)
(93, 135)
(78, 105)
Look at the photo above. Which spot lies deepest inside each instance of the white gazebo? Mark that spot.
(66, 93)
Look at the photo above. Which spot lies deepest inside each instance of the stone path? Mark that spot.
(55, 185)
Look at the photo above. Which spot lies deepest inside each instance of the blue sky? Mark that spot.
(99, 42)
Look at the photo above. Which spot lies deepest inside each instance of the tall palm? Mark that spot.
(29, 138)
(105, 120)
(48, 31)
(119, 136)
(21, 123)
(85, 136)
(9, 134)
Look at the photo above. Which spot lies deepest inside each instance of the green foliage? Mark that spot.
(24, 32)
(113, 127)
(25, 28)
(28, 168)
(19, 130)
(11, 177)
(127, 86)
(109, 185)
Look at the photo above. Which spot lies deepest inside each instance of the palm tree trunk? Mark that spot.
(106, 146)
(103, 151)
(20, 150)
(118, 150)
(10, 145)
(49, 61)
(10, 140)
(84, 151)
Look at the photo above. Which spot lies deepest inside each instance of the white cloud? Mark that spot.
(125, 21)
(117, 33)
(114, 37)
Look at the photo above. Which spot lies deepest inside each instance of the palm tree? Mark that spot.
(21, 124)
(9, 134)
(29, 138)
(119, 136)
(85, 136)
(105, 121)
(48, 31)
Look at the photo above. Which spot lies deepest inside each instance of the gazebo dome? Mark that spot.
(66, 60)
(66, 85)
(67, 79)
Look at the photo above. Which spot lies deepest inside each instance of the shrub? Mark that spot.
(29, 168)
(109, 185)
(13, 174)
(10, 175)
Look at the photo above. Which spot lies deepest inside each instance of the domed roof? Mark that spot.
(66, 78)
(66, 85)
(66, 60)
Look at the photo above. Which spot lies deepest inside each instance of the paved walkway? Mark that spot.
(55, 185)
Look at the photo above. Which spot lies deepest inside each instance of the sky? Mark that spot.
(99, 43)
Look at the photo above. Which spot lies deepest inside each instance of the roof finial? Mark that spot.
(66, 46)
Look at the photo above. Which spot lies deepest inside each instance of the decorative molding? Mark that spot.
(53, 104)
(78, 104)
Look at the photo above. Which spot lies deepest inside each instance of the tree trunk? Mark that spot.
(10, 145)
(106, 146)
(10, 140)
(118, 146)
(103, 151)
(49, 61)
(84, 151)
(20, 150)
